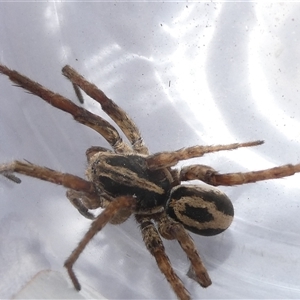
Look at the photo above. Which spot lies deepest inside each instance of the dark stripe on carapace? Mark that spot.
(113, 182)
(146, 199)
(133, 163)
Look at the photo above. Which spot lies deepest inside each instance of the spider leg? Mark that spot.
(83, 203)
(111, 108)
(80, 114)
(212, 177)
(78, 93)
(155, 246)
(90, 152)
(168, 159)
(123, 202)
(11, 176)
(67, 180)
(170, 229)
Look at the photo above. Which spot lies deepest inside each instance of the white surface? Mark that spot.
(49, 284)
(187, 73)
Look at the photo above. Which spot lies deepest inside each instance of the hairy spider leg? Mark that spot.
(80, 114)
(172, 230)
(117, 114)
(67, 180)
(155, 246)
(122, 202)
(83, 203)
(212, 177)
(169, 159)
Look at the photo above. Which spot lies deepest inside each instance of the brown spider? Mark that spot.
(129, 181)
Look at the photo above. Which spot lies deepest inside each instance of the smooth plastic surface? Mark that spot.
(187, 73)
(49, 284)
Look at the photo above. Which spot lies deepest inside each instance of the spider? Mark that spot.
(128, 180)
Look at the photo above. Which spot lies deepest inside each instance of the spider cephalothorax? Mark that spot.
(128, 180)
(117, 175)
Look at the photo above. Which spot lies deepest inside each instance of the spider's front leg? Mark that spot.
(170, 229)
(212, 177)
(155, 246)
(80, 114)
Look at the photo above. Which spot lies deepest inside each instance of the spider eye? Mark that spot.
(201, 209)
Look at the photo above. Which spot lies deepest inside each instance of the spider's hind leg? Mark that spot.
(155, 246)
(171, 230)
(212, 177)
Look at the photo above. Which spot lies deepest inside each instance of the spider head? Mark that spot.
(204, 210)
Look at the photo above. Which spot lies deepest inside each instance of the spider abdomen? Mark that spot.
(202, 210)
(120, 175)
